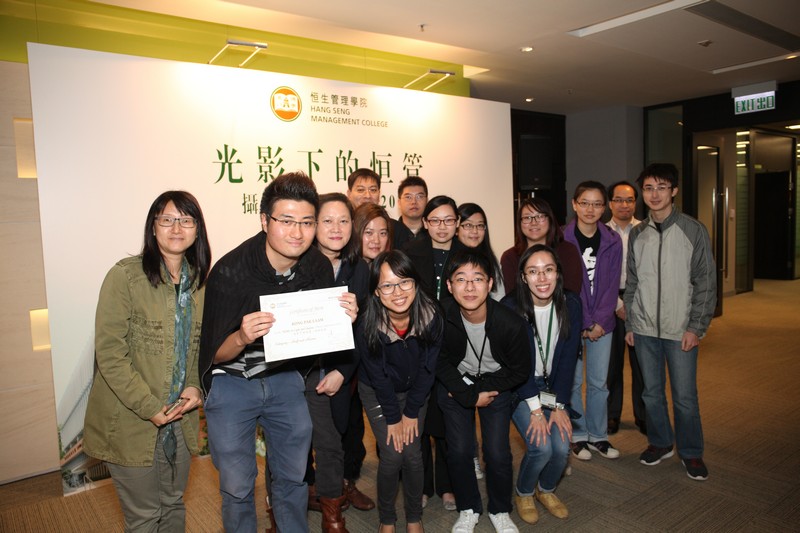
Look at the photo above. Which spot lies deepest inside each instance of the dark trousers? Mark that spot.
(391, 463)
(353, 438)
(459, 425)
(327, 442)
(615, 380)
(434, 460)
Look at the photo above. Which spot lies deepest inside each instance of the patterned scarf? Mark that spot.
(183, 330)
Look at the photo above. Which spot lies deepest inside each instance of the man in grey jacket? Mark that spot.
(670, 297)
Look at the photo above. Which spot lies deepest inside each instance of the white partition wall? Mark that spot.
(113, 131)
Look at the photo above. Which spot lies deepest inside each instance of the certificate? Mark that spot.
(306, 323)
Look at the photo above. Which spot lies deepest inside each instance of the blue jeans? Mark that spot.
(233, 408)
(542, 464)
(459, 425)
(653, 354)
(593, 423)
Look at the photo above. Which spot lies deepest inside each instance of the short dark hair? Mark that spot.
(469, 256)
(437, 202)
(622, 183)
(295, 186)
(661, 172)
(412, 181)
(588, 186)
(350, 253)
(362, 173)
(198, 255)
(540, 205)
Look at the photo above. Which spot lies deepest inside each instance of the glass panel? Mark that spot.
(744, 274)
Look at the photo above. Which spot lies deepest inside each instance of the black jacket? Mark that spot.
(235, 285)
(420, 251)
(508, 338)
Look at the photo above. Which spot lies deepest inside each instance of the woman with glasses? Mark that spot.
(430, 254)
(141, 417)
(473, 232)
(601, 251)
(536, 224)
(373, 230)
(398, 337)
(555, 319)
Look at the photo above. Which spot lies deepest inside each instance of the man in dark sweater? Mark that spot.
(244, 389)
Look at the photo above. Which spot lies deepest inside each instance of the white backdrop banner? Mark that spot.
(112, 132)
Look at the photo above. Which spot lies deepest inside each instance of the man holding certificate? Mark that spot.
(245, 386)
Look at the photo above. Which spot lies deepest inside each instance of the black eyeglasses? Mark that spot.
(388, 288)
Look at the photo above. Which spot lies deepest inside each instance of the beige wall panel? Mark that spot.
(19, 198)
(22, 268)
(30, 439)
(29, 442)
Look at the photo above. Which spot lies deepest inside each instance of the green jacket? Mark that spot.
(134, 352)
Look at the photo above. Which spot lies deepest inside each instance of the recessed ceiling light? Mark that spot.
(793, 127)
(529, 100)
(526, 49)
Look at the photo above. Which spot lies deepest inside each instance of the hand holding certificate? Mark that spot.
(306, 323)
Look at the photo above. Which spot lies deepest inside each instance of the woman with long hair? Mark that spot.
(141, 417)
(536, 224)
(431, 254)
(473, 232)
(601, 254)
(555, 320)
(398, 338)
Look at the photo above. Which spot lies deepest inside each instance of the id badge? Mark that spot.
(548, 399)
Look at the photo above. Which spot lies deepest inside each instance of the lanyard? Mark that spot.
(545, 355)
(480, 355)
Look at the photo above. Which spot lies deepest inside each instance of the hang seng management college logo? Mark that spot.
(286, 103)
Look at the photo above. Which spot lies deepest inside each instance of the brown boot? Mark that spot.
(332, 519)
(313, 502)
(357, 499)
(271, 527)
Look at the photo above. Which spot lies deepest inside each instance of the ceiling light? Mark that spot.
(526, 49)
(793, 127)
(529, 100)
(752, 64)
(257, 47)
(742, 133)
(636, 16)
(443, 73)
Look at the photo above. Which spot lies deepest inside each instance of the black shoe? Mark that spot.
(581, 450)
(653, 455)
(613, 425)
(696, 469)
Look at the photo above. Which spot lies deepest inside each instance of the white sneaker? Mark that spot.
(467, 520)
(478, 471)
(502, 523)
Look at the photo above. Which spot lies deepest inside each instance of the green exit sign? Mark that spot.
(754, 102)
